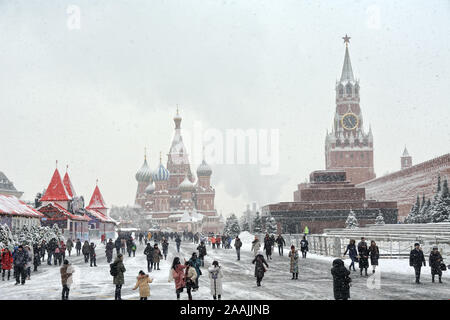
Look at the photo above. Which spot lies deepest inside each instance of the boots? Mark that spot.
(432, 278)
(296, 276)
(293, 276)
(440, 280)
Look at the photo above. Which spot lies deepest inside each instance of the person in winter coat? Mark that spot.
(280, 242)
(191, 278)
(43, 249)
(92, 255)
(374, 255)
(129, 247)
(259, 263)
(435, 262)
(7, 263)
(149, 253)
(268, 247)
(213, 242)
(20, 261)
(109, 249)
(362, 243)
(177, 274)
(133, 248)
(123, 245)
(196, 263)
(165, 247)
(293, 255)
(341, 280)
(57, 257)
(256, 245)
(215, 276)
(66, 279)
(304, 246)
(36, 257)
(202, 252)
(117, 245)
(218, 241)
(238, 245)
(119, 278)
(142, 283)
(352, 253)
(416, 259)
(29, 261)
(51, 247)
(86, 250)
(62, 248)
(78, 247)
(363, 258)
(178, 243)
(156, 256)
(69, 246)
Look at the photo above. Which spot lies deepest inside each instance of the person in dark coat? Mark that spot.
(238, 245)
(119, 278)
(109, 251)
(117, 245)
(156, 256)
(416, 259)
(374, 254)
(86, 250)
(78, 247)
(352, 253)
(20, 260)
(304, 246)
(36, 257)
(202, 252)
(363, 258)
(259, 263)
(280, 242)
(341, 280)
(435, 262)
(165, 247)
(69, 246)
(196, 263)
(268, 247)
(92, 255)
(178, 242)
(129, 246)
(43, 249)
(51, 247)
(149, 253)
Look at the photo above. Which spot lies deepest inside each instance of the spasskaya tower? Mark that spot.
(348, 147)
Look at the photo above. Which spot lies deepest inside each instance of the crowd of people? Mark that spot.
(186, 274)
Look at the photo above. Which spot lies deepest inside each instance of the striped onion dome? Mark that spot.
(204, 169)
(150, 188)
(161, 173)
(144, 173)
(186, 185)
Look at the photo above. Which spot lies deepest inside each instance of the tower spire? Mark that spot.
(347, 71)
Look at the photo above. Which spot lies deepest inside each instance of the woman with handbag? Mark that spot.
(435, 262)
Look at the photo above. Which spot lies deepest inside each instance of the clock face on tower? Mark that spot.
(350, 121)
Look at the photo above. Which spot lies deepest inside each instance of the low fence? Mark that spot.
(390, 247)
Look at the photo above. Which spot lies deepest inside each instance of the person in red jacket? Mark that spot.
(218, 242)
(177, 274)
(7, 261)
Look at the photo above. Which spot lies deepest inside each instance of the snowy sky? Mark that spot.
(94, 97)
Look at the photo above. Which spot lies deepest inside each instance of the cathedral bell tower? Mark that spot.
(348, 147)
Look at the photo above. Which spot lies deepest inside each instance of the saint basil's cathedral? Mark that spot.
(172, 198)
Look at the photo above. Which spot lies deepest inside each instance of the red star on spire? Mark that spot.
(346, 39)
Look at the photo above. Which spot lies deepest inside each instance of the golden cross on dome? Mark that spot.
(160, 157)
(177, 110)
(346, 40)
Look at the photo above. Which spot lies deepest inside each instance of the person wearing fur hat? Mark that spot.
(416, 259)
(142, 283)
(435, 262)
(66, 279)
(215, 277)
(341, 280)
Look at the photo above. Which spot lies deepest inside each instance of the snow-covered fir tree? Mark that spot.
(414, 212)
(244, 224)
(379, 220)
(271, 226)
(6, 237)
(440, 207)
(232, 226)
(351, 222)
(257, 224)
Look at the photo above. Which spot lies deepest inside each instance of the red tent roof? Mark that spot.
(51, 207)
(56, 190)
(68, 185)
(97, 201)
(100, 216)
(10, 205)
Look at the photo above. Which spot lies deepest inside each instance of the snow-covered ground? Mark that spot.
(315, 281)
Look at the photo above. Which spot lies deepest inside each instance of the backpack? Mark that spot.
(113, 269)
